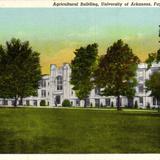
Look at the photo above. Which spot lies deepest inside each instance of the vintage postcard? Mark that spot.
(79, 80)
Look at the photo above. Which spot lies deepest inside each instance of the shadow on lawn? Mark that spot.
(10, 143)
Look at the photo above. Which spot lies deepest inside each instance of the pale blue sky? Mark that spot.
(54, 31)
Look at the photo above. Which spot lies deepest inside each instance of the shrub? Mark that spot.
(66, 103)
(101, 104)
(42, 103)
(91, 105)
(136, 104)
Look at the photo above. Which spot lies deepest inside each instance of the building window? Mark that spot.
(13, 102)
(43, 83)
(72, 93)
(35, 102)
(59, 83)
(77, 102)
(141, 78)
(108, 102)
(141, 100)
(27, 102)
(87, 102)
(5, 102)
(141, 72)
(97, 102)
(154, 101)
(43, 93)
(57, 100)
(97, 91)
(141, 88)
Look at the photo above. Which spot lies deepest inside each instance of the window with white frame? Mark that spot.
(108, 102)
(97, 91)
(97, 102)
(141, 78)
(59, 83)
(141, 100)
(140, 88)
(77, 102)
(43, 93)
(43, 83)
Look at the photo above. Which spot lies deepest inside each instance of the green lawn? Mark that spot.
(31, 130)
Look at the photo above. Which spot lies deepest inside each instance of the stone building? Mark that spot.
(56, 87)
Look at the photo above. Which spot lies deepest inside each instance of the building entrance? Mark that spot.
(57, 100)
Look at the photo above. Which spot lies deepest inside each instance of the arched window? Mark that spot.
(59, 83)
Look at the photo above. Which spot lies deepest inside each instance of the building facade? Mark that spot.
(56, 87)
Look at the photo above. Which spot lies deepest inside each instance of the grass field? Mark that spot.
(31, 130)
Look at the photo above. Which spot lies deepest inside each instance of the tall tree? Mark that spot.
(153, 57)
(21, 70)
(82, 67)
(153, 85)
(116, 71)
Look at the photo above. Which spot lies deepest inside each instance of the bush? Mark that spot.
(136, 104)
(66, 103)
(101, 104)
(42, 103)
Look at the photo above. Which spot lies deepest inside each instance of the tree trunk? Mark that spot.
(85, 103)
(118, 103)
(21, 101)
(15, 101)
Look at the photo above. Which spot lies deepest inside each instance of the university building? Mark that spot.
(56, 87)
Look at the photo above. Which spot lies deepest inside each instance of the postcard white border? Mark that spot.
(80, 157)
(49, 4)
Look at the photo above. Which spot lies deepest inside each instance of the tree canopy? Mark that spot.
(20, 70)
(82, 67)
(153, 83)
(153, 57)
(116, 71)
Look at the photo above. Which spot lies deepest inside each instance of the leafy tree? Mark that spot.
(153, 57)
(21, 70)
(153, 85)
(82, 67)
(4, 76)
(116, 71)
